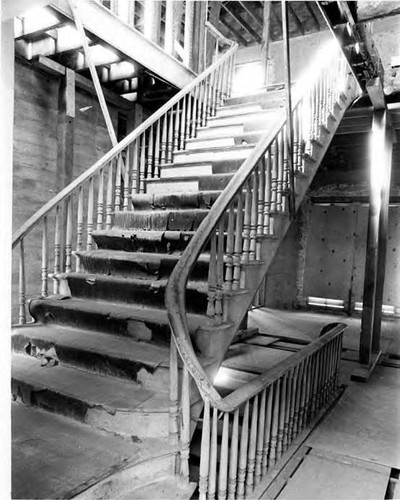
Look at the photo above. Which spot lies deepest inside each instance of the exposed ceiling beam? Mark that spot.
(275, 9)
(367, 10)
(119, 71)
(36, 23)
(56, 69)
(312, 14)
(236, 34)
(242, 22)
(100, 56)
(252, 14)
(296, 19)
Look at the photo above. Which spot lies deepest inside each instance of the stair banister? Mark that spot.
(319, 103)
(123, 144)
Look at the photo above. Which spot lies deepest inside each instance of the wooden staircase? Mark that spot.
(98, 352)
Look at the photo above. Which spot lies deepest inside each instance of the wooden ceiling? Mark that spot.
(242, 21)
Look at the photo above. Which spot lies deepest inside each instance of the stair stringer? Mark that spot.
(217, 338)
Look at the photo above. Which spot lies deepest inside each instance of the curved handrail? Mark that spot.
(176, 287)
(112, 153)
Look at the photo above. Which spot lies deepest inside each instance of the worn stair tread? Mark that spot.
(193, 199)
(95, 390)
(150, 354)
(170, 487)
(211, 150)
(244, 136)
(143, 314)
(139, 257)
(56, 457)
(120, 232)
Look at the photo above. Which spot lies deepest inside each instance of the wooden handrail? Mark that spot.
(110, 155)
(176, 287)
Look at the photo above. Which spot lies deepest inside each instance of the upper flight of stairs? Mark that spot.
(111, 334)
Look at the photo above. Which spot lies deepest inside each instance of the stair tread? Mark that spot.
(140, 257)
(94, 389)
(211, 150)
(242, 135)
(150, 235)
(118, 346)
(56, 457)
(131, 312)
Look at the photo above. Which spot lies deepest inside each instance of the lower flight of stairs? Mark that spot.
(98, 354)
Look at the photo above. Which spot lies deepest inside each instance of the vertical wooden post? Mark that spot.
(265, 38)
(65, 128)
(152, 20)
(188, 38)
(199, 31)
(213, 17)
(288, 99)
(169, 37)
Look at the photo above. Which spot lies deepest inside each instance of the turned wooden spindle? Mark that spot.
(109, 195)
(118, 178)
(212, 475)
(150, 154)
(260, 439)
(68, 237)
(185, 424)
(251, 457)
(233, 457)
(45, 258)
(90, 216)
(173, 394)
(100, 200)
(22, 285)
(244, 438)
(127, 179)
(281, 418)
(79, 226)
(142, 164)
(219, 293)
(212, 277)
(267, 430)
(253, 217)
(237, 256)
(223, 465)
(157, 147)
(205, 452)
(230, 248)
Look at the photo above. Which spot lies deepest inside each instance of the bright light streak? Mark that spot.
(248, 79)
(222, 377)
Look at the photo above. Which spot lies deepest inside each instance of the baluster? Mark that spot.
(298, 390)
(230, 248)
(237, 256)
(100, 200)
(281, 424)
(251, 459)
(109, 196)
(57, 251)
(89, 223)
(273, 452)
(260, 439)
(267, 164)
(118, 178)
(244, 437)
(253, 219)
(288, 403)
(339, 354)
(223, 466)
(212, 475)
(220, 86)
(285, 180)
(135, 170)
(214, 101)
(149, 162)
(303, 397)
(157, 150)
(177, 128)
(188, 117)
(246, 223)
(295, 139)
(224, 84)
(200, 106)
(309, 387)
(233, 457)
(44, 258)
(231, 73)
(170, 144)
(68, 237)
(220, 274)
(142, 165)
(274, 176)
(300, 149)
(205, 101)
(209, 96)
(194, 112)
(127, 178)
(22, 285)
(79, 226)
(267, 432)
(260, 208)
(322, 376)
(212, 277)
(205, 452)
(314, 402)
(328, 373)
(185, 424)
(173, 393)
(183, 124)
(279, 186)
(163, 156)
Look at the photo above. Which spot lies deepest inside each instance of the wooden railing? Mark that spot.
(67, 221)
(240, 220)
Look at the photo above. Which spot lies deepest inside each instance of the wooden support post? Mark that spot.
(169, 38)
(288, 98)
(199, 31)
(188, 38)
(381, 156)
(93, 72)
(213, 18)
(152, 20)
(266, 37)
(65, 129)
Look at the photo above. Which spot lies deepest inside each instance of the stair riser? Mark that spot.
(214, 132)
(132, 293)
(188, 220)
(237, 110)
(119, 422)
(268, 99)
(100, 363)
(211, 156)
(172, 201)
(213, 142)
(101, 321)
(126, 268)
(214, 182)
(259, 119)
(131, 244)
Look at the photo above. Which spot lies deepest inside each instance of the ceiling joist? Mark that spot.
(312, 14)
(242, 23)
(296, 19)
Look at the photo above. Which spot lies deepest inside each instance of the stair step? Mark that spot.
(177, 171)
(107, 403)
(212, 154)
(215, 131)
(268, 96)
(133, 290)
(227, 141)
(142, 241)
(138, 264)
(238, 109)
(203, 200)
(264, 116)
(140, 323)
(161, 220)
(57, 457)
(143, 363)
